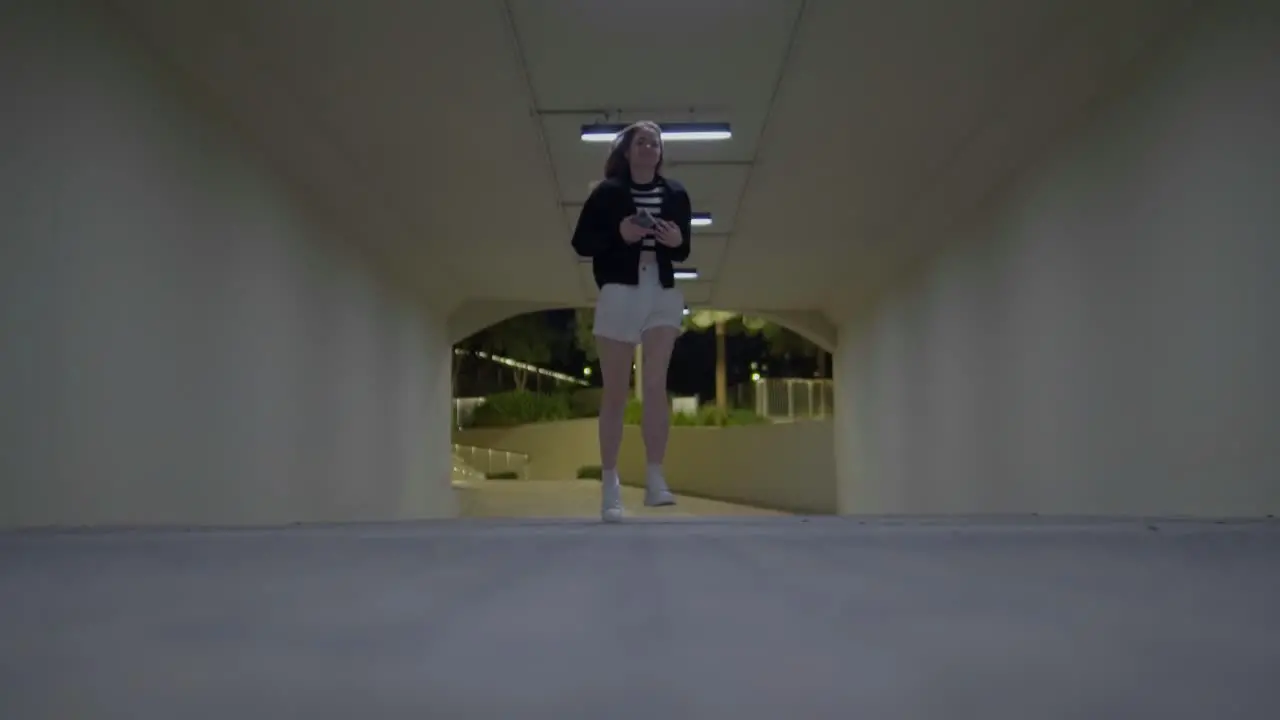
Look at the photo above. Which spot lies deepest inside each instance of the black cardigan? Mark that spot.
(612, 259)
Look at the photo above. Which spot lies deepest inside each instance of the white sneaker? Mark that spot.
(656, 492)
(610, 497)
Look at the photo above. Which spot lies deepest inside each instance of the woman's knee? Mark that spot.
(657, 391)
(614, 398)
(654, 384)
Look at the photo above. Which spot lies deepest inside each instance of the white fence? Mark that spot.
(462, 409)
(786, 398)
(490, 461)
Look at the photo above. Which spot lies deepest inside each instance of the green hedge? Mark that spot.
(707, 416)
(508, 409)
(712, 417)
(633, 412)
(585, 402)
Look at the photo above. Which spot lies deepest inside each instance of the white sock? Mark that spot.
(609, 476)
(655, 472)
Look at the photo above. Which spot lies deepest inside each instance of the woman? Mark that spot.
(634, 226)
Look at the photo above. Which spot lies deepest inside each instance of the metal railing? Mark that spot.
(489, 461)
(464, 473)
(463, 408)
(786, 398)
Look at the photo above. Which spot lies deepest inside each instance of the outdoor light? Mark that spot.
(671, 132)
(686, 311)
(755, 377)
(686, 274)
(586, 371)
(701, 219)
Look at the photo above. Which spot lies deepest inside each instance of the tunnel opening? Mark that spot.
(750, 404)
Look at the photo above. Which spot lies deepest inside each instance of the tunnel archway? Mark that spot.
(475, 315)
(736, 462)
(813, 328)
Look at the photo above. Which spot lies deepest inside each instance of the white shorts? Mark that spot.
(624, 312)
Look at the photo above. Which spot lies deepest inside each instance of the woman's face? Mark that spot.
(646, 148)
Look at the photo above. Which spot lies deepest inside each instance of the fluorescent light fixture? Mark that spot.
(671, 132)
(701, 219)
(679, 273)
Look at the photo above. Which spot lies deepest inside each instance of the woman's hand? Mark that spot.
(631, 231)
(668, 233)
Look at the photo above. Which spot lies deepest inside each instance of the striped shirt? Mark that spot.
(648, 200)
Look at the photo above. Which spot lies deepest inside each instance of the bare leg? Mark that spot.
(656, 424)
(615, 369)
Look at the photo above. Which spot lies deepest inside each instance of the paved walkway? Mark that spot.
(579, 498)
(751, 618)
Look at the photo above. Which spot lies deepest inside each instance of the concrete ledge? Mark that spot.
(785, 466)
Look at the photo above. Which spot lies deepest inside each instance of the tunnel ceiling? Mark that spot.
(442, 137)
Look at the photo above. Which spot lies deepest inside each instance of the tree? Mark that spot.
(527, 338)
(725, 323)
(583, 339)
(784, 343)
(468, 345)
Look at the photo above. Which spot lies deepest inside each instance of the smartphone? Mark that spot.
(644, 220)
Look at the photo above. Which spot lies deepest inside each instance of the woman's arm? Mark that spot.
(597, 229)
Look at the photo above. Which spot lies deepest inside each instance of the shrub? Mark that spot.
(684, 419)
(503, 475)
(707, 416)
(590, 472)
(713, 417)
(633, 412)
(519, 408)
(745, 417)
(585, 403)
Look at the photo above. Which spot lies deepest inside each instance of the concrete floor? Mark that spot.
(774, 617)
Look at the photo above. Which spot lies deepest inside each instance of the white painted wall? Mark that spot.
(180, 343)
(1108, 341)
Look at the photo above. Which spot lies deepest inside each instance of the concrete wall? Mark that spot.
(787, 466)
(180, 343)
(1106, 341)
(556, 449)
